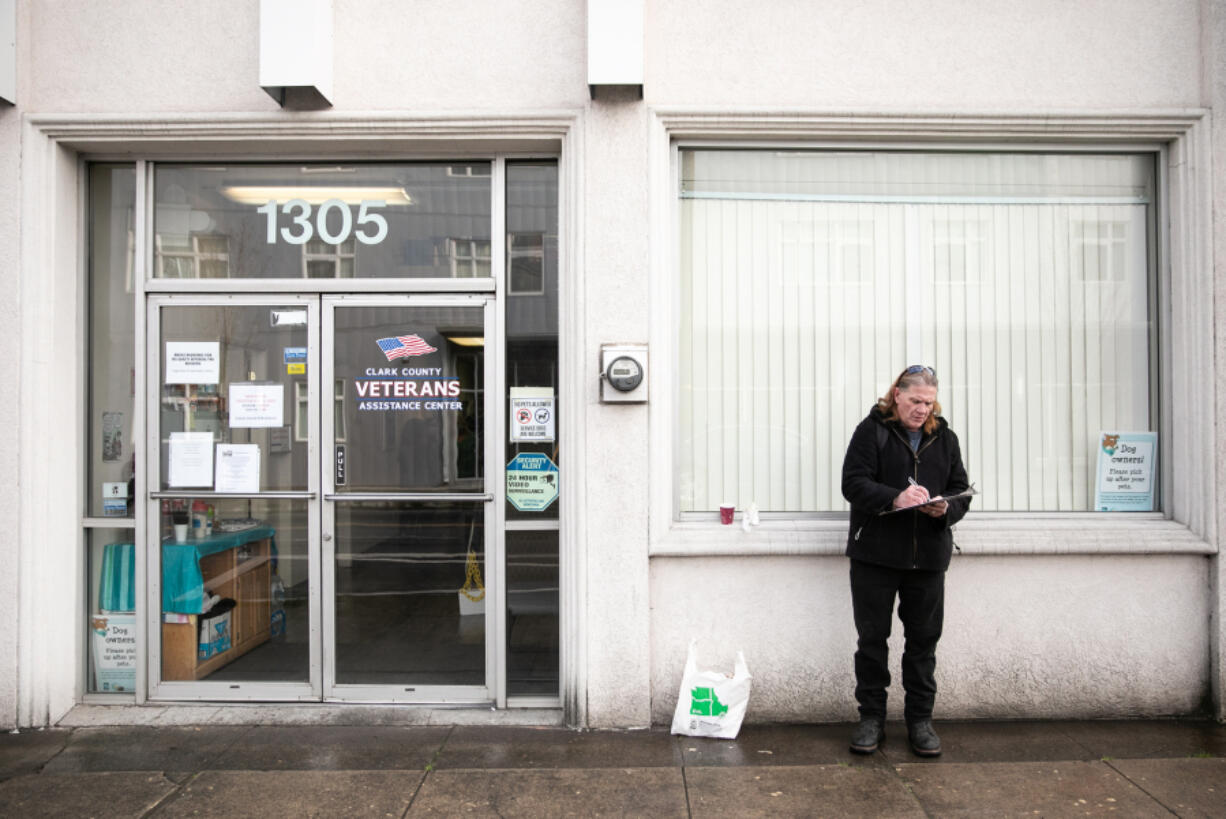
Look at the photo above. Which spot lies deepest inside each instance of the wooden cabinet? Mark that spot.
(242, 574)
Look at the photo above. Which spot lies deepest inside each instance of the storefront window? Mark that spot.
(533, 462)
(532, 323)
(112, 345)
(421, 220)
(532, 613)
(810, 279)
(251, 588)
(110, 608)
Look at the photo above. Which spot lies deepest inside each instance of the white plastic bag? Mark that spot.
(710, 703)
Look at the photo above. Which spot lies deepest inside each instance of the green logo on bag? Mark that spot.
(704, 703)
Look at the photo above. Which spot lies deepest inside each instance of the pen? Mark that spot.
(914, 482)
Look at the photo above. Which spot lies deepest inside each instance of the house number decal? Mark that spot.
(371, 227)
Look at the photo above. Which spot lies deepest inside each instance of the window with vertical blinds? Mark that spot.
(808, 280)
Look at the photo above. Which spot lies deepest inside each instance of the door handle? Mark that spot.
(360, 497)
(327, 536)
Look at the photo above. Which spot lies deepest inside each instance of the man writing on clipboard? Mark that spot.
(904, 478)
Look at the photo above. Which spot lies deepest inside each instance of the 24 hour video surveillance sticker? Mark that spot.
(532, 482)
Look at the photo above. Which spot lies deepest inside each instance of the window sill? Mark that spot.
(982, 534)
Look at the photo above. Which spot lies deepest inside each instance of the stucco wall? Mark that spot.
(1026, 636)
(1214, 68)
(184, 56)
(434, 55)
(617, 496)
(942, 55)
(10, 374)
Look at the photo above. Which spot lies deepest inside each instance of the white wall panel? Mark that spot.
(1058, 637)
(942, 55)
(182, 55)
(10, 411)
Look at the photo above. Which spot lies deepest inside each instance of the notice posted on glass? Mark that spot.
(1125, 471)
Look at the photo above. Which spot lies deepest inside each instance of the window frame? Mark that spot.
(1184, 234)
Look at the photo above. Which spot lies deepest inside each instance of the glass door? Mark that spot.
(406, 516)
(335, 510)
(231, 520)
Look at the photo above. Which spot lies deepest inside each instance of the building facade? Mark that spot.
(404, 353)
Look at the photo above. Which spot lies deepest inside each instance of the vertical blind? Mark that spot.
(809, 280)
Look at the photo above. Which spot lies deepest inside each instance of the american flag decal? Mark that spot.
(404, 346)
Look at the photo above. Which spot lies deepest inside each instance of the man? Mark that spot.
(902, 461)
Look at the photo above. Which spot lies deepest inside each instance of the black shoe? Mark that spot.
(924, 740)
(868, 735)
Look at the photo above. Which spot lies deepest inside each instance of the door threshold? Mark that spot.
(196, 713)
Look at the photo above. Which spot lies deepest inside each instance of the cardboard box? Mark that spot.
(215, 635)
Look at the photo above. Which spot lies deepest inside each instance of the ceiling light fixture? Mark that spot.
(315, 194)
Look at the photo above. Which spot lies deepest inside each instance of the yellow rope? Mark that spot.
(472, 576)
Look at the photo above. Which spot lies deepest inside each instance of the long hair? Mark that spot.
(904, 382)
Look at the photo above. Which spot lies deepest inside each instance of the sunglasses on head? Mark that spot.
(919, 368)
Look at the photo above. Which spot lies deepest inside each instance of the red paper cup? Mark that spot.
(725, 513)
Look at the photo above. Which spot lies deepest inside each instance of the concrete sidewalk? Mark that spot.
(1134, 768)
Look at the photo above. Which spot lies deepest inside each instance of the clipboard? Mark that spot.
(965, 493)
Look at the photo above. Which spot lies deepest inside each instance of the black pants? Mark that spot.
(921, 608)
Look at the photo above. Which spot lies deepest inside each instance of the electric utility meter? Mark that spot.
(623, 373)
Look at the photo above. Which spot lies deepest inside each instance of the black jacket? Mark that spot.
(878, 462)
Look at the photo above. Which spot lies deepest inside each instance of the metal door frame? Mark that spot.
(223, 690)
(492, 693)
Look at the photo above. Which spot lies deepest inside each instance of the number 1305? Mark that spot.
(371, 227)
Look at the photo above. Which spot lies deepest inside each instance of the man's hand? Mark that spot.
(936, 509)
(911, 496)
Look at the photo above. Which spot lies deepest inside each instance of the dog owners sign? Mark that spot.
(1125, 471)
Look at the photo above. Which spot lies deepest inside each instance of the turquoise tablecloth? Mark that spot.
(182, 583)
(117, 587)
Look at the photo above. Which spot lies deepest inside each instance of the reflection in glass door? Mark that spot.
(405, 531)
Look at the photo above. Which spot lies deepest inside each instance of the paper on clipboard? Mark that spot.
(965, 493)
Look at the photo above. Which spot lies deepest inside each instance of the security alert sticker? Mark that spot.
(532, 482)
(532, 414)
